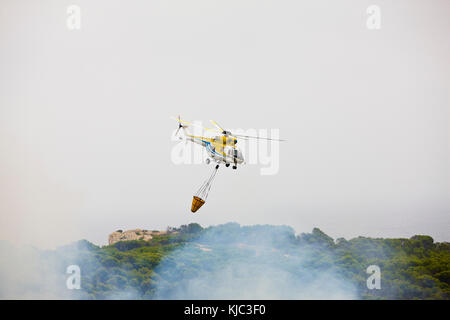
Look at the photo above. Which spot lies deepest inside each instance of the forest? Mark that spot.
(262, 261)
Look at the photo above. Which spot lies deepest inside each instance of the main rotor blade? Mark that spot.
(192, 124)
(253, 137)
(217, 126)
(235, 136)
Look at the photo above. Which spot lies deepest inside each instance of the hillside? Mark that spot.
(233, 261)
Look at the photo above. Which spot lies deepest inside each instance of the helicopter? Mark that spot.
(220, 148)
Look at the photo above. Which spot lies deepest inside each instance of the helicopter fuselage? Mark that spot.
(219, 148)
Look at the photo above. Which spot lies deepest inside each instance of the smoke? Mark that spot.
(221, 262)
(258, 262)
(30, 273)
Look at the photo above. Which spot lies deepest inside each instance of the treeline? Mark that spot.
(415, 268)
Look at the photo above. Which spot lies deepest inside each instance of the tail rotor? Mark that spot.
(179, 126)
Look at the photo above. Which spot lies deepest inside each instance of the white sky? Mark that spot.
(85, 134)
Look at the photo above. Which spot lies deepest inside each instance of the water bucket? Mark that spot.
(197, 203)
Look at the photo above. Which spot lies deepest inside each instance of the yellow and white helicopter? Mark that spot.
(221, 148)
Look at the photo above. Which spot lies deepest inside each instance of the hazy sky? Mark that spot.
(85, 134)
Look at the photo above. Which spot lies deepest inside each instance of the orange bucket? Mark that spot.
(197, 203)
